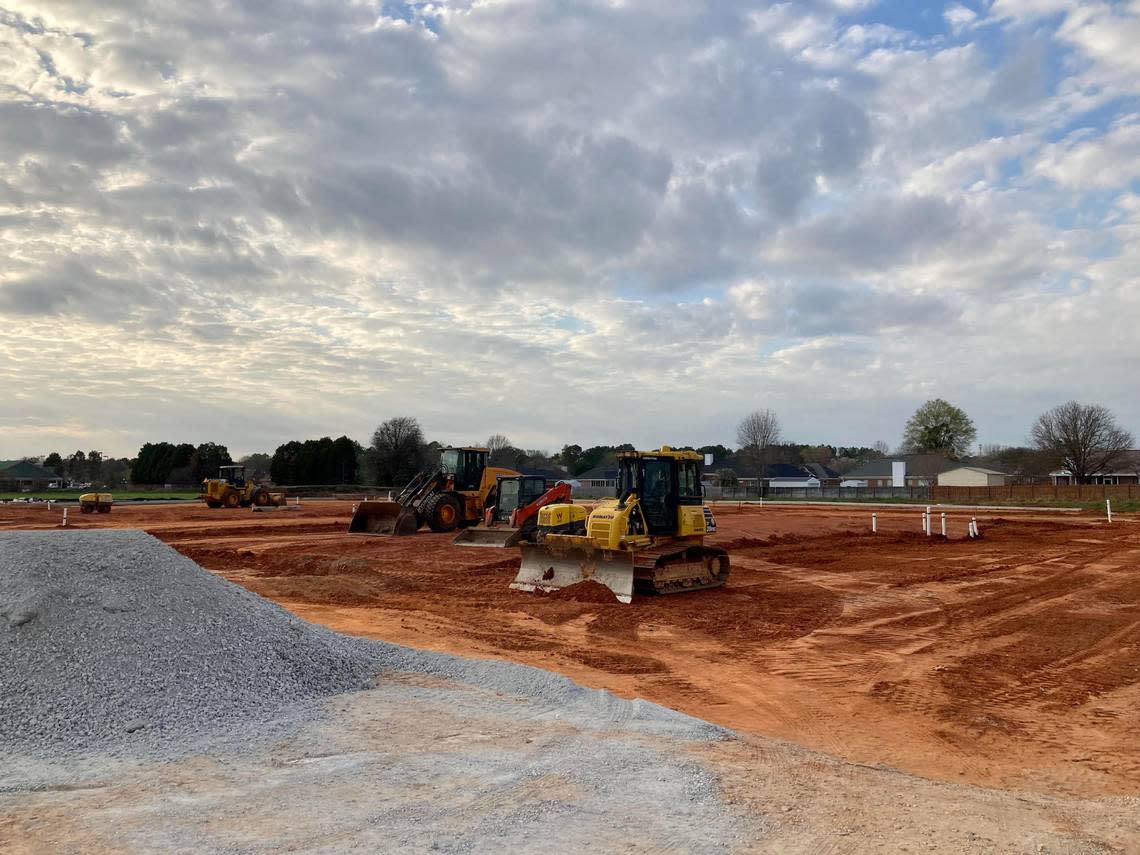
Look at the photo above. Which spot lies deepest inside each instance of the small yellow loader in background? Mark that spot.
(231, 490)
(90, 503)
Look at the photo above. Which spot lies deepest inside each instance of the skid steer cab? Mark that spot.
(445, 497)
(514, 516)
(231, 490)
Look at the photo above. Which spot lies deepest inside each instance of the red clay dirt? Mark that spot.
(1013, 661)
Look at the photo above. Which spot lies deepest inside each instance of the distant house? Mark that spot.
(1126, 471)
(552, 476)
(599, 478)
(972, 476)
(22, 475)
(800, 475)
(789, 475)
(827, 477)
(918, 470)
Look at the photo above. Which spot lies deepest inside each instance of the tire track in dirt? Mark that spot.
(1013, 660)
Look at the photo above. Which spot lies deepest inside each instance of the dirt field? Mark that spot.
(1013, 661)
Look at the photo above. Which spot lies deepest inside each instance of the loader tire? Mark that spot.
(262, 498)
(232, 500)
(441, 512)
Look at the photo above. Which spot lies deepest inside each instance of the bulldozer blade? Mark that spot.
(548, 567)
(383, 518)
(500, 538)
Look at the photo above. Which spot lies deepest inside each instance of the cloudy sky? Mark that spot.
(593, 222)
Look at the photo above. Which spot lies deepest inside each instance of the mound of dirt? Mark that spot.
(587, 591)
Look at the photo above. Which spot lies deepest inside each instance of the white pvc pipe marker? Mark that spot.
(65, 516)
(874, 523)
(943, 523)
(1108, 507)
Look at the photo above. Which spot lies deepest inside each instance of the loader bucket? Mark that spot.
(550, 566)
(383, 518)
(494, 537)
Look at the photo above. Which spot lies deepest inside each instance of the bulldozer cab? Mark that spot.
(232, 475)
(516, 492)
(663, 483)
(465, 465)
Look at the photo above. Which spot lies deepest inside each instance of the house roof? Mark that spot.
(548, 474)
(917, 466)
(786, 470)
(12, 470)
(981, 469)
(878, 468)
(598, 473)
(820, 471)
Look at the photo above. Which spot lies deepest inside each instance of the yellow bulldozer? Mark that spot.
(649, 538)
(445, 497)
(231, 490)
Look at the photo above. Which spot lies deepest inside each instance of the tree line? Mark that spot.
(1083, 439)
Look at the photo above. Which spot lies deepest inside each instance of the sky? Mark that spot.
(569, 222)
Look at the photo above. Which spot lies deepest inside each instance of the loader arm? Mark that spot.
(559, 493)
(398, 516)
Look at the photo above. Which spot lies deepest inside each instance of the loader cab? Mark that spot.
(516, 492)
(232, 475)
(663, 482)
(465, 465)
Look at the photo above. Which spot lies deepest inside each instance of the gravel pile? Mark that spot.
(112, 641)
(107, 634)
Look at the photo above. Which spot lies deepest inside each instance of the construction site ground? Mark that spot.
(1012, 661)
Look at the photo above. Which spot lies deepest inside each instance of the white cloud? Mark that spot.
(317, 216)
(1085, 160)
(958, 16)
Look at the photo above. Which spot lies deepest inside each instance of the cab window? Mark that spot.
(449, 460)
(689, 482)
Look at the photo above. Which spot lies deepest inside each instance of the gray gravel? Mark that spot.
(113, 641)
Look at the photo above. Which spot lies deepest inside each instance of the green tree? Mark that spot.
(257, 465)
(719, 452)
(162, 463)
(570, 457)
(77, 466)
(207, 458)
(54, 463)
(940, 427)
(94, 466)
(821, 454)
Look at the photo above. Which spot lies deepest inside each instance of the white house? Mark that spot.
(972, 476)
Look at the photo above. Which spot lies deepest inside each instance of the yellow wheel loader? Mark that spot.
(445, 497)
(649, 538)
(231, 490)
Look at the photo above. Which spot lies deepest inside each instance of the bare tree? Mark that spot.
(881, 447)
(758, 431)
(398, 451)
(500, 452)
(1085, 440)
